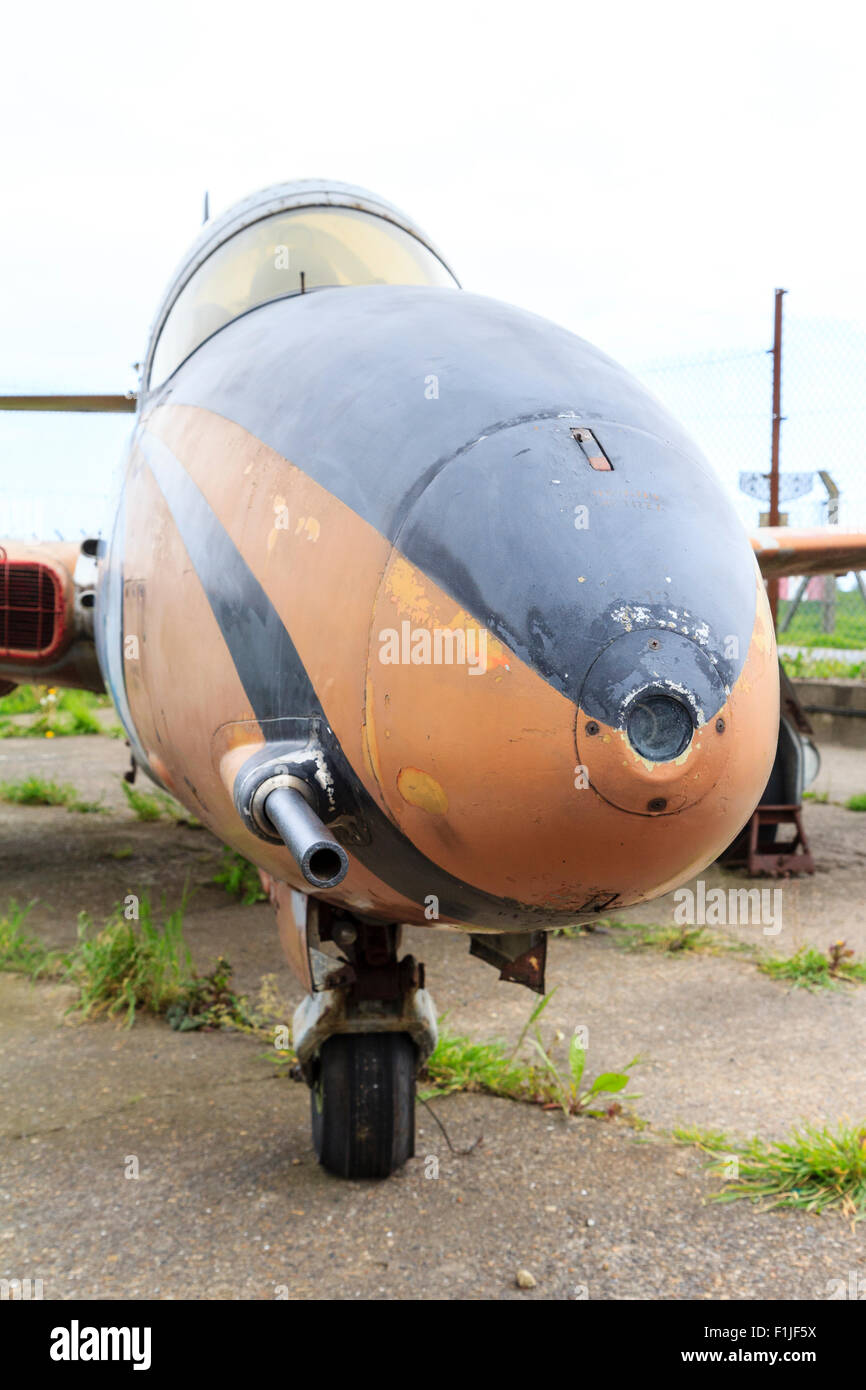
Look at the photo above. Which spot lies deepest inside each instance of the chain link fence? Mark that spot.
(725, 402)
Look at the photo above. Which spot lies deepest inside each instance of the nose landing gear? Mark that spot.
(360, 1036)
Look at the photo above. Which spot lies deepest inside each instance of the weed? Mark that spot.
(152, 806)
(86, 807)
(36, 791)
(565, 1091)
(810, 969)
(815, 1168)
(463, 1064)
(673, 938)
(129, 965)
(19, 951)
(81, 719)
(238, 876)
(146, 805)
(208, 1001)
(24, 699)
(710, 1140)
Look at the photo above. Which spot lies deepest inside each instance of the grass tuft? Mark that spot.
(153, 806)
(462, 1064)
(813, 1170)
(239, 877)
(129, 965)
(134, 966)
(672, 939)
(20, 951)
(639, 936)
(811, 969)
(36, 791)
(710, 1140)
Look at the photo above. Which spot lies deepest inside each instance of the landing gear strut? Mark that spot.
(360, 1036)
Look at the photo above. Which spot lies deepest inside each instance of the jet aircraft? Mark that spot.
(425, 606)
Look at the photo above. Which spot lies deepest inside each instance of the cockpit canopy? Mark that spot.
(283, 254)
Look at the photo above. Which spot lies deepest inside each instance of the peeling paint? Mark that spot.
(404, 588)
(371, 746)
(308, 526)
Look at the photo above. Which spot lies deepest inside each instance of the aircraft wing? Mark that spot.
(819, 550)
(103, 405)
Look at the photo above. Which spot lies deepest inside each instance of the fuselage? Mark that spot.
(468, 578)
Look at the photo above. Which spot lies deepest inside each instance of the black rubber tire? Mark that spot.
(363, 1104)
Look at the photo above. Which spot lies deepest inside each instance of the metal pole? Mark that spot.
(773, 584)
(829, 582)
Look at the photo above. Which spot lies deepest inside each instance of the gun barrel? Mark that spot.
(320, 858)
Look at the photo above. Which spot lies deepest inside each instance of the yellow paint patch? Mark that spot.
(404, 588)
(309, 527)
(420, 789)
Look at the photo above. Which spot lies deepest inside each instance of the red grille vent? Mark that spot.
(32, 614)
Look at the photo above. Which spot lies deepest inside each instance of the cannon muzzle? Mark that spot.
(320, 858)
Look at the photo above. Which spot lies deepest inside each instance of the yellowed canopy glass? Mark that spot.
(328, 246)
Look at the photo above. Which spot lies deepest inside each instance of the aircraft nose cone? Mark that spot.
(614, 668)
(645, 725)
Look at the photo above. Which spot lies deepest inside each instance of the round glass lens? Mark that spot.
(659, 728)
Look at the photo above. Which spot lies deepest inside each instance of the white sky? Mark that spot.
(643, 173)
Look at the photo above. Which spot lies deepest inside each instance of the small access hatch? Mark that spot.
(592, 450)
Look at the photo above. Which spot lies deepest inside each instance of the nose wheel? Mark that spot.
(360, 1036)
(363, 1104)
